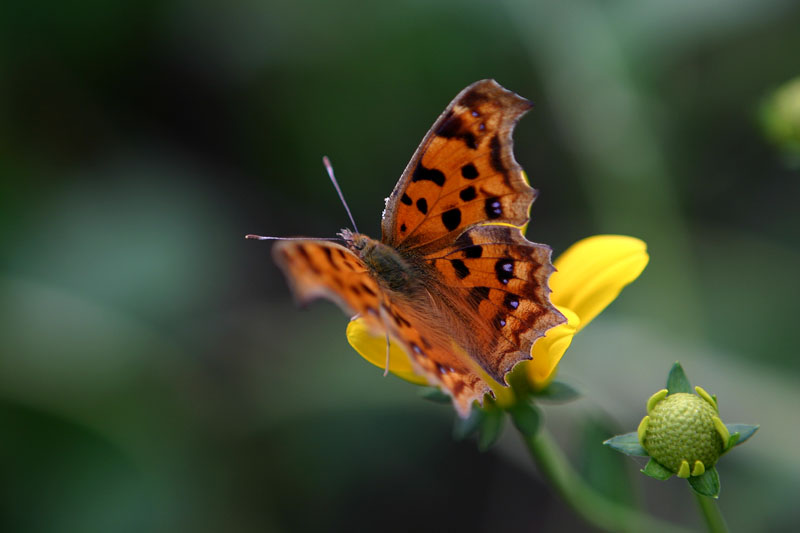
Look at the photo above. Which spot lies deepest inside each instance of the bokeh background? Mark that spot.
(154, 372)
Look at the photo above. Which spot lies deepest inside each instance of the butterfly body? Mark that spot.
(394, 272)
(452, 279)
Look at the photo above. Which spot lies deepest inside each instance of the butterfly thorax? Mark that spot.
(386, 264)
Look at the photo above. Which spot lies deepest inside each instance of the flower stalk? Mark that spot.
(711, 514)
(595, 508)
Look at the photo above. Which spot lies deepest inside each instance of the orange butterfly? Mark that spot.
(452, 279)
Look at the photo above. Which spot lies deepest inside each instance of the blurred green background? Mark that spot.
(154, 372)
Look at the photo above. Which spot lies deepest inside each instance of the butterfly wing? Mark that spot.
(432, 352)
(455, 206)
(501, 277)
(318, 269)
(463, 173)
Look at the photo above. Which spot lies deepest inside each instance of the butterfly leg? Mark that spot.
(388, 345)
(386, 329)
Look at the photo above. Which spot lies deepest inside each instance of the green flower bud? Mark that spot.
(683, 435)
(780, 116)
(681, 432)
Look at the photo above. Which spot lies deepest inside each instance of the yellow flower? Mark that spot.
(588, 277)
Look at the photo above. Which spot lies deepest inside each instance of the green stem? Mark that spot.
(711, 514)
(581, 497)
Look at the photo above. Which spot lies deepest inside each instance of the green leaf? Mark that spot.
(491, 428)
(706, 484)
(732, 440)
(464, 427)
(627, 444)
(677, 380)
(654, 469)
(557, 392)
(526, 417)
(745, 431)
(433, 394)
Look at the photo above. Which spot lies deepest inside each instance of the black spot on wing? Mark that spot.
(406, 199)
(367, 289)
(473, 252)
(477, 295)
(462, 271)
(450, 127)
(465, 244)
(511, 301)
(329, 255)
(473, 100)
(493, 208)
(468, 194)
(422, 206)
(451, 218)
(469, 171)
(504, 270)
(428, 174)
(307, 258)
(453, 128)
(469, 139)
(400, 321)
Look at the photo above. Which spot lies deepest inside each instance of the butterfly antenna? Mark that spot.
(267, 238)
(329, 168)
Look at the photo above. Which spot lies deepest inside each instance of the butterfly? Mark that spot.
(452, 279)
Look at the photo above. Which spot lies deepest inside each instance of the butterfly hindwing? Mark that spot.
(502, 277)
(434, 355)
(463, 173)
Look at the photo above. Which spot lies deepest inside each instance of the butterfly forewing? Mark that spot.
(323, 269)
(463, 173)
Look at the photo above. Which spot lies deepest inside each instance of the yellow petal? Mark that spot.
(373, 349)
(593, 271)
(547, 351)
